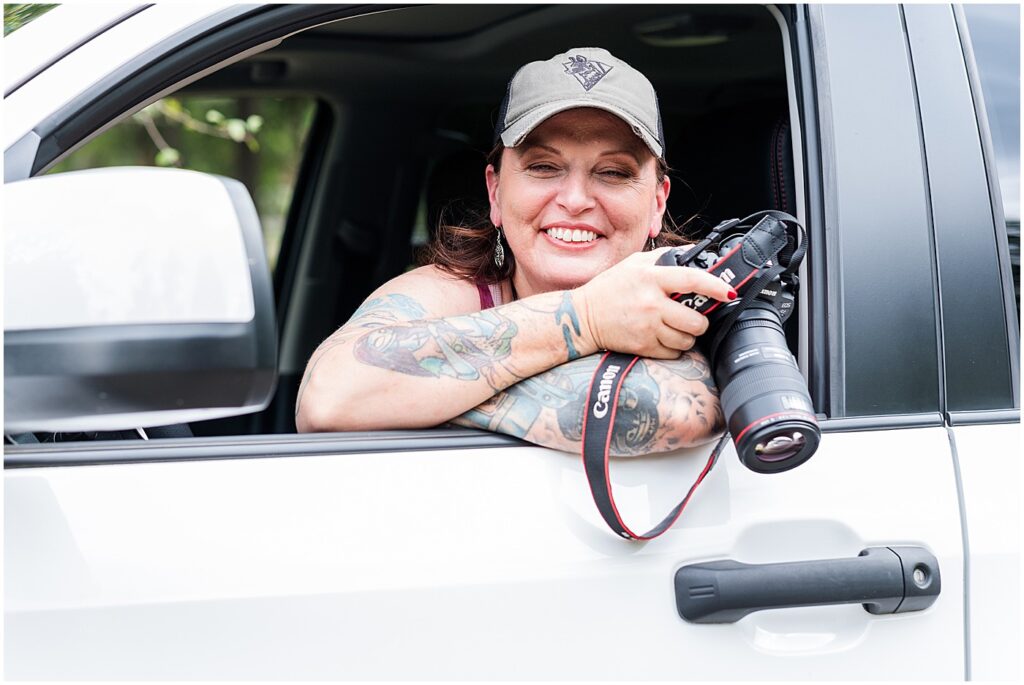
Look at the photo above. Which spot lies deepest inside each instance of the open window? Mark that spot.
(419, 90)
(405, 101)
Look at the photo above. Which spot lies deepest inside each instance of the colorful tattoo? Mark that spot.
(566, 318)
(389, 309)
(567, 310)
(380, 311)
(662, 405)
(466, 348)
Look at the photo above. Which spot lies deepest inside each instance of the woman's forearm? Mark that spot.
(663, 405)
(390, 367)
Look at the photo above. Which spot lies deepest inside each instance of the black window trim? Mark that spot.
(818, 356)
(940, 334)
(995, 196)
(834, 279)
(300, 211)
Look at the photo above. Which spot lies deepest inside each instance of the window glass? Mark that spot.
(256, 140)
(995, 35)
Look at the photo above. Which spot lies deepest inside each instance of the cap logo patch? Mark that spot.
(587, 72)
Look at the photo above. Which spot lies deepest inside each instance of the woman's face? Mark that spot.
(577, 196)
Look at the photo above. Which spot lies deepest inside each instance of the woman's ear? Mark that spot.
(491, 176)
(660, 204)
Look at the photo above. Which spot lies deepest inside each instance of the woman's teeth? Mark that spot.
(571, 235)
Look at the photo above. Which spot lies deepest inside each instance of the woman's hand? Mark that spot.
(628, 309)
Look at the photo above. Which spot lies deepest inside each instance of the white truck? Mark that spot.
(234, 548)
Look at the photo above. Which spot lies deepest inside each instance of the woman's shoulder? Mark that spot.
(437, 292)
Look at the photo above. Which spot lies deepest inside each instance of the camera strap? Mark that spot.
(598, 426)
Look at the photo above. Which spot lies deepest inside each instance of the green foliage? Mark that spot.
(168, 157)
(17, 15)
(257, 140)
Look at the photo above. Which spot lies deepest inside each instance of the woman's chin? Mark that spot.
(568, 273)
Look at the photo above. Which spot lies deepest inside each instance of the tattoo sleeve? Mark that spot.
(501, 346)
(663, 405)
(467, 347)
(372, 314)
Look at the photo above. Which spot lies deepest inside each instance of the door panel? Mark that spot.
(989, 460)
(475, 563)
(977, 367)
(882, 288)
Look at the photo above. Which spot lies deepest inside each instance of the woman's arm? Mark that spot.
(663, 405)
(419, 353)
(397, 364)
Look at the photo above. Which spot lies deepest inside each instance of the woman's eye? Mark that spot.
(616, 173)
(541, 167)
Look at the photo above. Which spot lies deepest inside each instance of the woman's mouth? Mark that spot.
(572, 235)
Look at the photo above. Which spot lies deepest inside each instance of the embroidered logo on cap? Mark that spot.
(587, 72)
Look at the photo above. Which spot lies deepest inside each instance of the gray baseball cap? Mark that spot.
(581, 77)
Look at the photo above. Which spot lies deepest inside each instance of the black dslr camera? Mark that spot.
(764, 398)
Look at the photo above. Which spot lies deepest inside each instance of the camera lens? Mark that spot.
(764, 397)
(780, 447)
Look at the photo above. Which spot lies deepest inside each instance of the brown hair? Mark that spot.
(467, 250)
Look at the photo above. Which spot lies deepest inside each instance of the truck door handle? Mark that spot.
(886, 580)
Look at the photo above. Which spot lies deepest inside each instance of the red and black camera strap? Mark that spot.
(598, 425)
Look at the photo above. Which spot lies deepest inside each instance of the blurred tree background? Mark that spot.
(256, 140)
(17, 15)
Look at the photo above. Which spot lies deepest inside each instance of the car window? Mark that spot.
(995, 36)
(256, 140)
(379, 156)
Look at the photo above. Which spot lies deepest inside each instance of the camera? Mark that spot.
(764, 397)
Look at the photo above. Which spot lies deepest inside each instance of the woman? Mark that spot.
(502, 331)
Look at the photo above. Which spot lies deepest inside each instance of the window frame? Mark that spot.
(796, 38)
(996, 200)
(854, 279)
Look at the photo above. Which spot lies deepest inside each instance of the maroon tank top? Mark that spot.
(486, 301)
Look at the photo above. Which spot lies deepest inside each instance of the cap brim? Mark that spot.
(517, 132)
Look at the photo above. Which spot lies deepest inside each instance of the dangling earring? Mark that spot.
(650, 244)
(499, 251)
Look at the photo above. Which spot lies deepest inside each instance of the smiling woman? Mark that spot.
(501, 331)
(576, 197)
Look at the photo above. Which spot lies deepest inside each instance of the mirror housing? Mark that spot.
(134, 297)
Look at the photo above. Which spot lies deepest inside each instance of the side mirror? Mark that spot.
(134, 297)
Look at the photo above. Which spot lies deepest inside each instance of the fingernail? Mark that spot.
(732, 294)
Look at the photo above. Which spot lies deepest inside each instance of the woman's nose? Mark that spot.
(574, 193)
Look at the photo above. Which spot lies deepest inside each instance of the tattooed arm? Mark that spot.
(405, 361)
(663, 405)
(419, 352)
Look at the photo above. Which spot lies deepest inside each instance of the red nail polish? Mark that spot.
(733, 295)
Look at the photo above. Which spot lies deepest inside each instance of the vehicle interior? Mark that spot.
(406, 100)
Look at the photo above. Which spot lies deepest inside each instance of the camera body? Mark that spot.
(764, 397)
(779, 295)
